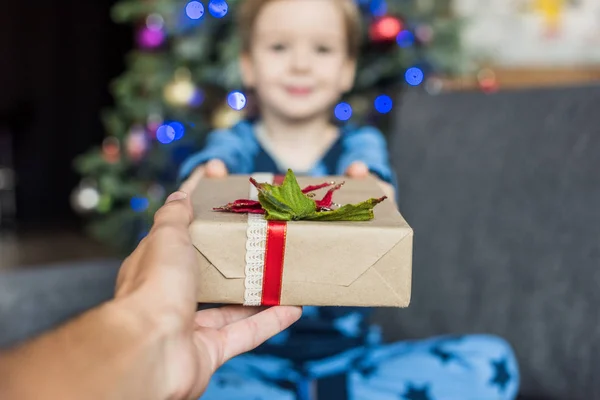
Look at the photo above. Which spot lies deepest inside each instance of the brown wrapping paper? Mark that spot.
(326, 263)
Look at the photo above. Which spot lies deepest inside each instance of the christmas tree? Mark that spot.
(183, 81)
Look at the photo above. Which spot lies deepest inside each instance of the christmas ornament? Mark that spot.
(487, 80)
(85, 197)
(136, 143)
(225, 117)
(288, 202)
(180, 91)
(385, 29)
(111, 149)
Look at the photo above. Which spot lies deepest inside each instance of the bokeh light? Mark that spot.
(139, 204)
(197, 99)
(165, 134)
(405, 38)
(88, 198)
(194, 10)
(178, 128)
(414, 76)
(156, 191)
(155, 22)
(236, 100)
(343, 111)
(218, 8)
(378, 7)
(383, 104)
(150, 38)
(387, 28)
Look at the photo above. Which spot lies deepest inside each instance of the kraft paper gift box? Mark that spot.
(244, 259)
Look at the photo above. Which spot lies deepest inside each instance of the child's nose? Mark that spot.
(301, 60)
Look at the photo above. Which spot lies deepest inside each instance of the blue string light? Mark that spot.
(383, 104)
(194, 10)
(343, 111)
(414, 76)
(378, 8)
(218, 8)
(236, 100)
(139, 204)
(197, 99)
(170, 132)
(405, 39)
(178, 128)
(165, 134)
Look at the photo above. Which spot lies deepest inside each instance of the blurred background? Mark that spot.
(490, 108)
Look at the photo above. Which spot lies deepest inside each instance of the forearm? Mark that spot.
(104, 354)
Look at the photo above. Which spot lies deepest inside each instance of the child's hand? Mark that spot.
(212, 169)
(215, 169)
(359, 170)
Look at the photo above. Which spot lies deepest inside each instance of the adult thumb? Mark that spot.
(177, 211)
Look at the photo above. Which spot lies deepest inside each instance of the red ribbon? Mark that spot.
(274, 259)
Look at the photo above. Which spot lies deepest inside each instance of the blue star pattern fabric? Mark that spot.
(333, 351)
(480, 367)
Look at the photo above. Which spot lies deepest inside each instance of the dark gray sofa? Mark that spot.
(503, 192)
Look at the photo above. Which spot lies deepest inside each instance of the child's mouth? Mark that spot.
(299, 90)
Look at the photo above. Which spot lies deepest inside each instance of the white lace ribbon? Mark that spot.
(256, 239)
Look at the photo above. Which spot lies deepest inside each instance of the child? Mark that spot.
(299, 57)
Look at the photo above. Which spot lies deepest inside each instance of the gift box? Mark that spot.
(247, 258)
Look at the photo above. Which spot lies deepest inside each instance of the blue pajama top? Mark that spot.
(322, 331)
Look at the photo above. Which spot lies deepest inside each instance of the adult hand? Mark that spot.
(161, 277)
(148, 342)
(213, 169)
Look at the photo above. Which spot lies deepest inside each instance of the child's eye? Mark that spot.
(323, 49)
(278, 47)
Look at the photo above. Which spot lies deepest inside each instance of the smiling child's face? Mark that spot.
(298, 62)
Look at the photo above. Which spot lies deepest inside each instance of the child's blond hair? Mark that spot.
(250, 9)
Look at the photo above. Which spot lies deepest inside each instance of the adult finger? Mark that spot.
(177, 212)
(189, 185)
(217, 318)
(249, 333)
